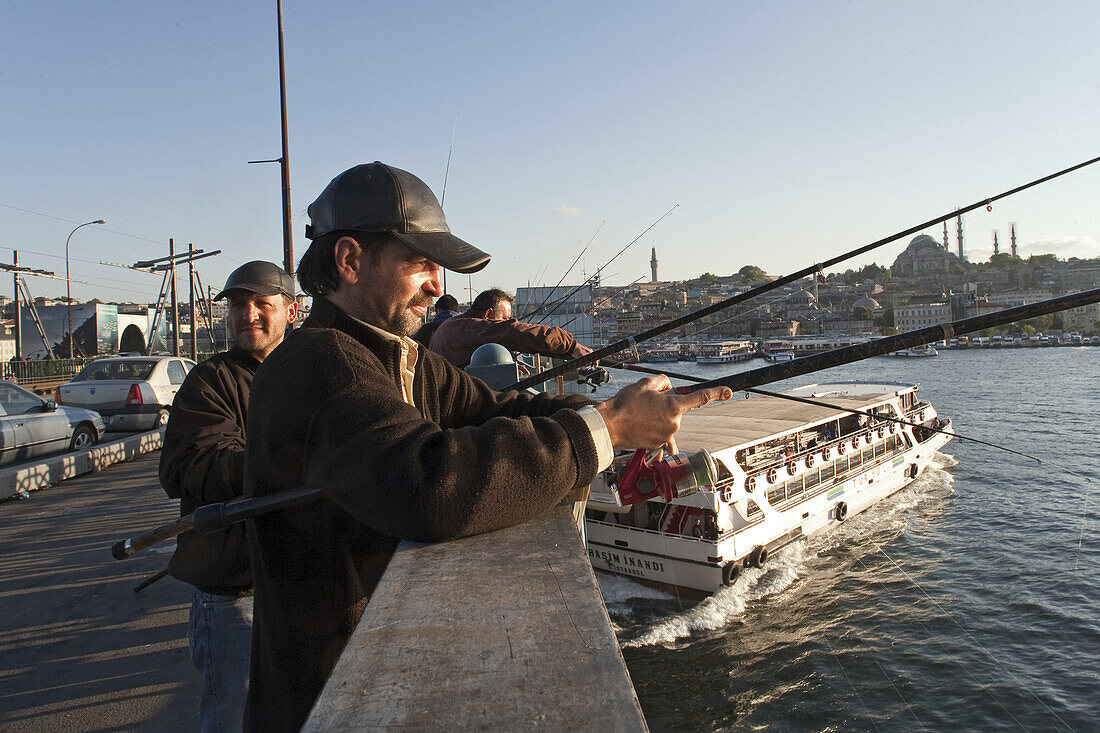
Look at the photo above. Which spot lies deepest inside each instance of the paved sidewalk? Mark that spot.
(79, 650)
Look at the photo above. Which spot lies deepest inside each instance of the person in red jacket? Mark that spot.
(489, 321)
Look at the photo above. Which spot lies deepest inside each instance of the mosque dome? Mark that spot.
(867, 303)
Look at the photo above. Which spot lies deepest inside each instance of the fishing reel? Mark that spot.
(593, 376)
(673, 477)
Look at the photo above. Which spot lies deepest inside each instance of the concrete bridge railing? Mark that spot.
(504, 631)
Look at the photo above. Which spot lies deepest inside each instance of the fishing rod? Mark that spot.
(443, 195)
(601, 301)
(818, 403)
(569, 294)
(216, 517)
(549, 295)
(675, 323)
(211, 518)
(887, 344)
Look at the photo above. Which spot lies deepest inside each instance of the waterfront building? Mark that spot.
(921, 315)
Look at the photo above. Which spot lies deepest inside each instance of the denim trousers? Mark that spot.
(220, 636)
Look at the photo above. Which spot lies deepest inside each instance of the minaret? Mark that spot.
(653, 265)
(959, 234)
(1013, 230)
(946, 244)
(996, 247)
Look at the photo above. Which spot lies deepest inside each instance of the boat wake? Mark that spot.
(644, 616)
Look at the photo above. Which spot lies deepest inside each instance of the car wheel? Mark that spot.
(162, 419)
(83, 438)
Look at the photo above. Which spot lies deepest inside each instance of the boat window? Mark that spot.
(777, 494)
(812, 478)
(753, 508)
(828, 471)
(723, 472)
(799, 486)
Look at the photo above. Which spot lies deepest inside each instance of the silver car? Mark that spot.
(131, 392)
(31, 426)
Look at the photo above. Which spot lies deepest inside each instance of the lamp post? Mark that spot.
(68, 284)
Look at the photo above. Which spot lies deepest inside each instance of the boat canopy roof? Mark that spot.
(740, 423)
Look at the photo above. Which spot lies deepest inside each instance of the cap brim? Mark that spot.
(252, 288)
(446, 250)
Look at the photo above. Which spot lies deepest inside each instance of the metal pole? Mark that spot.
(175, 301)
(284, 162)
(68, 292)
(191, 281)
(18, 308)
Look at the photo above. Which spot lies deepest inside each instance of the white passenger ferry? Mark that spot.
(725, 352)
(781, 470)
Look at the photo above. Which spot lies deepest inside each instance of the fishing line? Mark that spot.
(870, 415)
(1081, 539)
(970, 636)
(981, 685)
(566, 297)
(549, 295)
(851, 684)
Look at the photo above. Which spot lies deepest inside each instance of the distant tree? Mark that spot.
(873, 272)
(862, 313)
(751, 273)
(1042, 260)
(1003, 260)
(1027, 329)
(708, 277)
(885, 320)
(1040, 324)
(890, 330)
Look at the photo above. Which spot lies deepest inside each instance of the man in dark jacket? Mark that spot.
(446, 307)
(402, 444)
(202, 462)
(489, 321)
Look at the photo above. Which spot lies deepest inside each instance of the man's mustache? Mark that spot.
(422, 299)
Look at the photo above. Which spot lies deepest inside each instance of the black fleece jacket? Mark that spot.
(326, 412)
(202, 462)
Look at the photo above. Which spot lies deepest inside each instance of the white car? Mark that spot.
(31, 426)
(131, 392)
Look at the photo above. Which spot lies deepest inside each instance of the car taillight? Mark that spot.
(134, 397)
(57, 395)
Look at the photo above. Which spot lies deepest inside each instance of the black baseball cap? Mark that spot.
(375, 197)
(258, 276)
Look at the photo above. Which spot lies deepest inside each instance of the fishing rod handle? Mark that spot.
(211, 518)
(127, 548)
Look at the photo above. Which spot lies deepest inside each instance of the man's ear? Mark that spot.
(347, 253)
(292, 311)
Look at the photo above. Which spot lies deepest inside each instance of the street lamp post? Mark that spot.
(68, 284)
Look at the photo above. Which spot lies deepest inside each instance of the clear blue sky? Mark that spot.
(785, 132)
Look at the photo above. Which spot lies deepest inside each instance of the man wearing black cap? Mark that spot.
(202, 462)
(402, 444)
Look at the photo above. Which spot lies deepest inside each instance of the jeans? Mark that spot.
(220, 636)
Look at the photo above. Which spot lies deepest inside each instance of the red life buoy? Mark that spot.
(827, 453)
(810, 461)
(855, 443)
(772, 476)
(791, 468)
(841, 447)
(750, 484)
